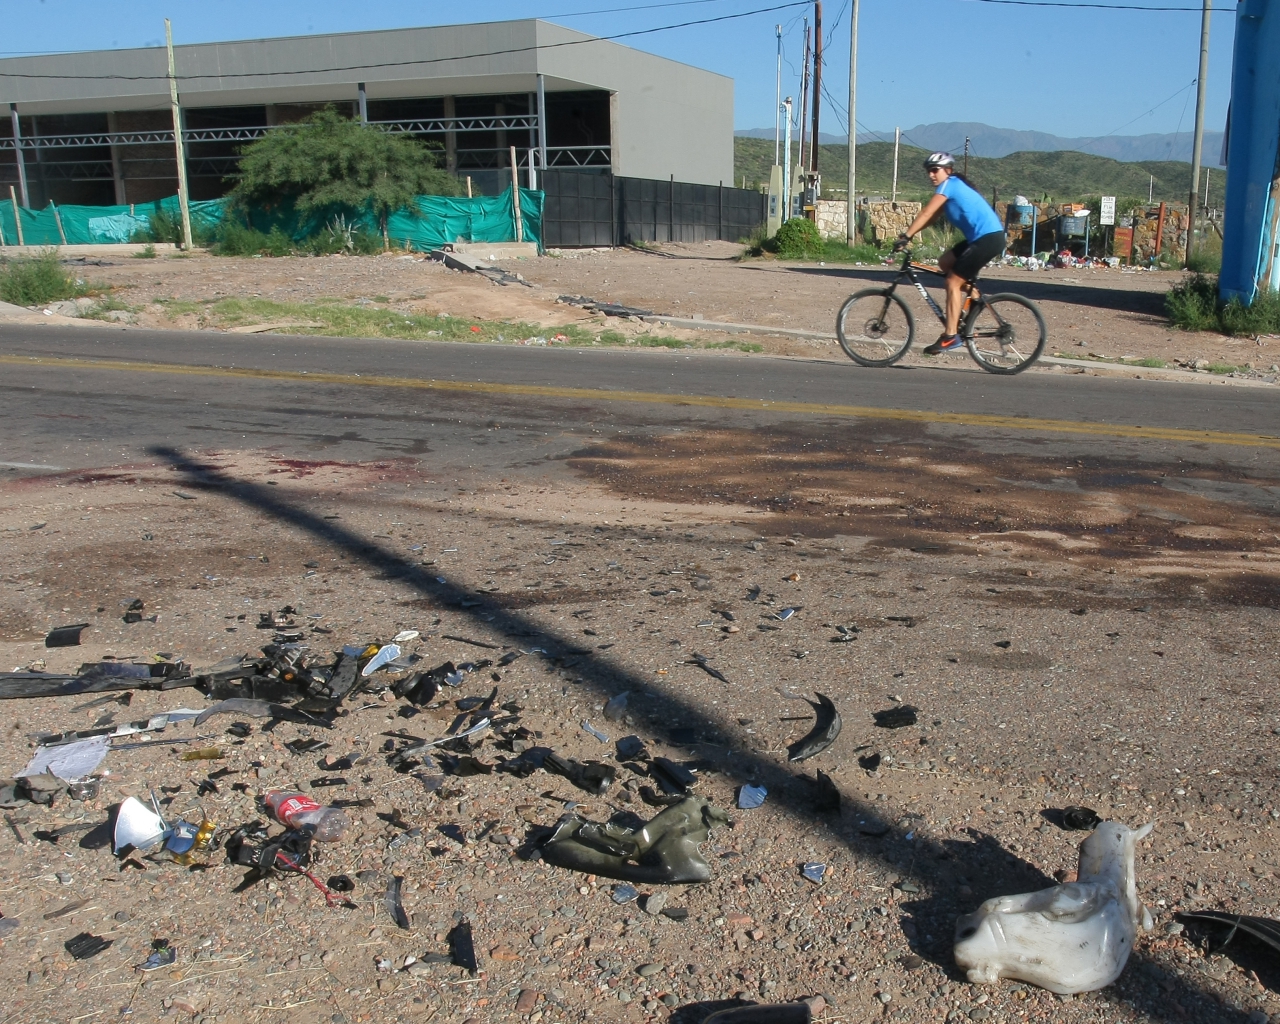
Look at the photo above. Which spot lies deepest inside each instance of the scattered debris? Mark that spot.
(85, 946)
(664, 851)
(762, 1013)
(750, 797)
(1083, 819)
(162, 955)
(1070, 938)
(1264, 929)
(621, 894)
(616, 707)
(591, 730)
(65, 636)
(393, 903)
(463, 948)
(814, 871)
(701, 661)
(826, 728)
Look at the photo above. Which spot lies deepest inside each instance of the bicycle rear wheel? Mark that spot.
(1007, 335)
(875, 327)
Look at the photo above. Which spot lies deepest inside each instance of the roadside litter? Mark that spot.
(664, 850)
(1225, 927)
(1070, 938)
(826, 728)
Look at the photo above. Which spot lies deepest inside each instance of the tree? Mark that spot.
(327, 160)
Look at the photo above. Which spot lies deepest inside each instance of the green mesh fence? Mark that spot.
(442, 220)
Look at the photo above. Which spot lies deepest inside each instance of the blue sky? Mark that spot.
(1081, 72)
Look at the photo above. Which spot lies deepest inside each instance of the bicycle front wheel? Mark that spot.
(1007, 335)
(875, 327)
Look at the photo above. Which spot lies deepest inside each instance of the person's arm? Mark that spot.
(926, 216)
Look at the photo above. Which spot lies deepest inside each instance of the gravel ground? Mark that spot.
(1135, 677)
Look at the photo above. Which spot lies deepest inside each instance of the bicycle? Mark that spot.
(1004, 333)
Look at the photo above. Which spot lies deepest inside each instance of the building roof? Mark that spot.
(494, 57)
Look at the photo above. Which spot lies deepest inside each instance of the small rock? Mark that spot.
(121, 915)
(648, 970)
(526, 1001)
(63, 877)
(1177, 928)
(979, 1013)
(816, 1004)
(884, 997)
(653, 904)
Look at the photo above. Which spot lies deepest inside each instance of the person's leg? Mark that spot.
(955, 300)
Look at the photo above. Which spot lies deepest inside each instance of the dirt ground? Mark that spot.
(1071, 633)
(1091, 313)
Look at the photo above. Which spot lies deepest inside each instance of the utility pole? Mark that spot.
(786, 167)
(817, 83)
(1198, 139)
(804, 97)
(851, 216)
(777, 105)
(1151, 187)
(966, 156)
(897, 139)
(184, 198)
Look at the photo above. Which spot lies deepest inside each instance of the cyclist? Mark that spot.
(965, 208)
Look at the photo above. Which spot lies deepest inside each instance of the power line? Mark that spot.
(1099, 7)
(428, 60)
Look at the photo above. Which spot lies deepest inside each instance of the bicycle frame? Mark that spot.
(907, 272)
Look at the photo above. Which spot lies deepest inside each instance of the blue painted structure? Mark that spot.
(1251, 227)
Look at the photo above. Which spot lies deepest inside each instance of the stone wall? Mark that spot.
(878, 220)
(1173, 246)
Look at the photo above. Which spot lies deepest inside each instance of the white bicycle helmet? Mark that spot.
(939, 160)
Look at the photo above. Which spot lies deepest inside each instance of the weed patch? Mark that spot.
(36, 280)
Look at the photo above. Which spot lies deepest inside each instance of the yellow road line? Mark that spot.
(1021, 423)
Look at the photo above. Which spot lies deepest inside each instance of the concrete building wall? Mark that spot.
(668, 118)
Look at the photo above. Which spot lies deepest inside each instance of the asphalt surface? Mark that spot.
(80, 397)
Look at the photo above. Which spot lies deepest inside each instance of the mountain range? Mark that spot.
(987, 141)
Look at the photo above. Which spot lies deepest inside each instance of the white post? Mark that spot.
(184, 197)
(786, 169)
(363, 103)
(897, 139)
(851, 219)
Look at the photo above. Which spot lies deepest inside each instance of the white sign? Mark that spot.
(1108, 214)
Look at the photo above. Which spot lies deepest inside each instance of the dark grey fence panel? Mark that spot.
(589, 209)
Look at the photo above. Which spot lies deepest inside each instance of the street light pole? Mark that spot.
(777, 104)
(1198, 139)
(851, 216)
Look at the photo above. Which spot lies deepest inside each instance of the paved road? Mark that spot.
(81, 397)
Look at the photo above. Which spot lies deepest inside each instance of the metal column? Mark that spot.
(364, 104)
(17, 148)
(542, 123)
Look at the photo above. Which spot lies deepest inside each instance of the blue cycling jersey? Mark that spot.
(967, 210)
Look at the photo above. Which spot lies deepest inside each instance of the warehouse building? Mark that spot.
(97, 128)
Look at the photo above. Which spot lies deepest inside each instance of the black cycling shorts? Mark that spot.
(971, 257)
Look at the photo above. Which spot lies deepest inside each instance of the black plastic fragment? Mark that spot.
(84, 946)
(826, 728)
(675, 913)
(1264, 929)
(672, 777)
(65, 636)
(341, 883)
(896, 718)
(869, 761)
(394, 906)
(134, 612)
(463, 948)
(1082, 819)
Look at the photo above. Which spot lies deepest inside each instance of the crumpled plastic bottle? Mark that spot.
(297, 810)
